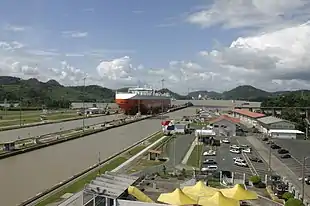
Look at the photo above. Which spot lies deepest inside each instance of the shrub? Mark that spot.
(255, 179)
(287, 196)
(293, 202)
(260, 185)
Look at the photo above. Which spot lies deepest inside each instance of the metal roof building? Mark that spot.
(271, 119)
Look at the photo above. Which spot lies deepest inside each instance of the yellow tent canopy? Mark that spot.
(177, 197)
(199, 190)
(218, 199)
(239, 193)
(139, 194)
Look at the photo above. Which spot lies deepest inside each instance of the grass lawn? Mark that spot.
(156, 137)
(195, 158)
(79, 185)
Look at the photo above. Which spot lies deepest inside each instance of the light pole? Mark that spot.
(303, 177)
(99, 161)
(84, 105)
(20, 107)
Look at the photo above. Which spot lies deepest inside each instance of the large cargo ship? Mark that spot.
(143, 100)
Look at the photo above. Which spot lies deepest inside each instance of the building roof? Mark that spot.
(110, 184)
(248, 113)
(286, 131)
(271, 120)
(226, 117)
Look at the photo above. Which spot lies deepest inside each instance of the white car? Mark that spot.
(236, 151)
(209, 153)
(226, 140)
(241, 163)
(247, 150)
(238, 159)
(209, 168)
(234, 146)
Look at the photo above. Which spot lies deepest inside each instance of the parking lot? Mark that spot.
(298, 150)
(292, 167)
(225, 162)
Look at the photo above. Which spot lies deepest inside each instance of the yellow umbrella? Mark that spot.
(139, 194)
(239, 193)
(199, 190)
(218, 199)
(177, 197)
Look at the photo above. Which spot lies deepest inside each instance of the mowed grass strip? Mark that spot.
(79, 184)
(195, 157)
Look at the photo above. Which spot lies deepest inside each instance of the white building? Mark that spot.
(285, 134)
(247, 117)
(278, 128)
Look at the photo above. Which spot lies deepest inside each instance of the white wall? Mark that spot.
(283, 135)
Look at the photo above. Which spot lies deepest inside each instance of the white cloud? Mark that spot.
(14, 28)
(11, 46)
(74, 34)
(251, 13)
(43, 53)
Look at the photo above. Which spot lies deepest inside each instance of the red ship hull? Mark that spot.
(145, 106)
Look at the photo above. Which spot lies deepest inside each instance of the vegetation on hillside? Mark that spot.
(34, 93)
(291, 99)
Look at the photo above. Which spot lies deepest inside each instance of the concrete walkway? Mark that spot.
(276, 164)
(189, 152)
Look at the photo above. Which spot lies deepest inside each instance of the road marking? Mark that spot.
(249, 163)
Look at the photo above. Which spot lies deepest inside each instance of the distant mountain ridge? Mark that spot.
(34, 91)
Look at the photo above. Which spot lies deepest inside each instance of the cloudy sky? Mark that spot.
(195, 45)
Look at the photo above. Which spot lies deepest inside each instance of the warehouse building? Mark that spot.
(225, 125)
(278, 128)
(247, 117)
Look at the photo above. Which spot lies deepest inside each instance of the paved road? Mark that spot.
(279, 165)
(25, 175)
(11, 135)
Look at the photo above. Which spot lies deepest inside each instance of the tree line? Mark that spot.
(292, 101)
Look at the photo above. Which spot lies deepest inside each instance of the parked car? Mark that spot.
(209, 153)
(241, 163)
(226, 141)
(209, 162)
(238, 159)
(209, 168)
(283, 151)
(307, 180)
(244, 146)
(265, 139)
(285, 156)
(275, 146)
(234, 147)
(247, 150)
(236, 151)
(255, 159)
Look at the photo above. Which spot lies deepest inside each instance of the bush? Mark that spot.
(293, 202)
(287, 196)
(255, 179)
(260, 185)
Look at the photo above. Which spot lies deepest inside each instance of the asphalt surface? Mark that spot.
(284, 167)
(11, 135)
(225, 162)
(25, 175)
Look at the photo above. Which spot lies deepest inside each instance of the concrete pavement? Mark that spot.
(11, 135)
(277, 165)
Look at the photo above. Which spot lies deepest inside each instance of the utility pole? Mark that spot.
(162, 101)
(99, 161)
(303, 178)
(20, 107)
(84, 105)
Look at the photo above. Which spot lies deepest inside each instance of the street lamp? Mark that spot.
(303, 177)
(84, 105)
